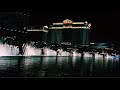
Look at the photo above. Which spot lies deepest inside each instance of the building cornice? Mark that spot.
(72, 23)
(84, 27)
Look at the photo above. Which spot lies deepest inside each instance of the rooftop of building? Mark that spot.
(68, 21)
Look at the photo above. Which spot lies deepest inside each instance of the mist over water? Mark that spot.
(31, 50)
(8, 50)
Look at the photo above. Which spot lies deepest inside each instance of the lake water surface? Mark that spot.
(55, 67)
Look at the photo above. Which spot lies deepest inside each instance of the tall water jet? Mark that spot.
(31, 51)
(8, 50)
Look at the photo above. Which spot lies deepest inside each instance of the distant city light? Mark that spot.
(45, 26)
(86, 22)
(89, 25)
(92, 43)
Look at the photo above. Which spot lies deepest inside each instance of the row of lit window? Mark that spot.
(22, 13)
(13, 30)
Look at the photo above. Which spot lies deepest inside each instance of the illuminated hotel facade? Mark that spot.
(76, 33)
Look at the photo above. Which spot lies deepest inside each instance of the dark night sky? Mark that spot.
(104, 17)
(105, 25)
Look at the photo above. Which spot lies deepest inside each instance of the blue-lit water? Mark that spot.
(46, 66)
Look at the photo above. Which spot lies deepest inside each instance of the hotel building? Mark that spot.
(69, 32)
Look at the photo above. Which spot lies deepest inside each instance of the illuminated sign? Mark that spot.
(67, 21)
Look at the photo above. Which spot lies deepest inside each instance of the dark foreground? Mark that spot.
(41, 67)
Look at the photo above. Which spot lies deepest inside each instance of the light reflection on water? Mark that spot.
(45, 66)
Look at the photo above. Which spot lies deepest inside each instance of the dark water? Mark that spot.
(58, 67)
